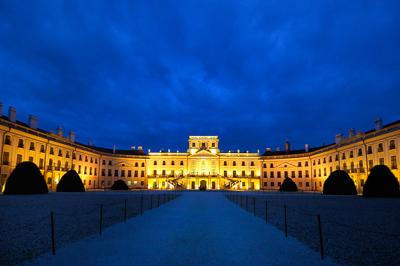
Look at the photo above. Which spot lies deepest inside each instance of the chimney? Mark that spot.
(338, 138)
(306, 147)
(1, 109)
(71, 136)
(287, 146)
(59, 131)
(140, 148)
(114, 147)
(378, 123)
(12, 114)
(352, 132)
(33, 121)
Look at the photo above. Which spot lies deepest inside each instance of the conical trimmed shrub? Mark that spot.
(26, 178)
(339, 183)
(288, 185)
(381, 182)
(70, 182)
(119, 185)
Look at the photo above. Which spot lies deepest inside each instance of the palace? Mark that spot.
(202, 166)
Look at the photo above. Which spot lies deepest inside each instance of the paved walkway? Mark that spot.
(199, 228)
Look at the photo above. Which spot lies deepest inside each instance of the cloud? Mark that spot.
(151, 72)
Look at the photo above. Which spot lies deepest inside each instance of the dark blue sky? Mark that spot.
(152, 73)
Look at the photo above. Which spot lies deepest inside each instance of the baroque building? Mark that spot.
(203, 165)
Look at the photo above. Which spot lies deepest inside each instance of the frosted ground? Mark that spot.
(199, 228)
(25, 219)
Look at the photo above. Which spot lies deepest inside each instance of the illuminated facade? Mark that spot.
(203, 165)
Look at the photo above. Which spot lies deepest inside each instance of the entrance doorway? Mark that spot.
(213, 184)
(203, 185)
(193, 185)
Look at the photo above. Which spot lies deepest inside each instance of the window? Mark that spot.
(90, 170)
(41, 163)
(344, 166)
(7, 140)
(116, 172)
(109, 162)
(279, 174)
(264, 174)
(380, 147)
(271, 174)
(306, 163)
(370, 164)
(136, 164)
(142, 173)
(234, 163)
(66, 166)
(67, 154)
(213, 145)
(234, 173)
(272, 184)
(352, 169)
(73, 156)
(129, 173)
(243, 163)
(163, 162)
(86, 159)
(271, 165)
(42, 148)
(109, 172)
(104, 162)
(19, 158)
(85, 171)
(181, 163)
(361, 166)
(122, 173)
(243, 173)
(293, 174)
(79, 169)
(324, 161)
(381, 161)
(225, 163)
(91, 160)
(285, 173)
(307, 184)
(163, 173)
(20, 143)
(136, 173)
(392, 145)
(172, 162)
(193, 145)
(80, 157)
(343, 156)
(300, 174)
(59, 152)
(393, 162)
(154, 172)
(103, 172)
(95, 172)
(32, 146)
(307, 174)
(351, 154)
(6, 158)
(264, 165)
(299, 164)
(369, 150)
(251, 163)
(360, 153)
(336, 157)
(225, 173)
(330, 159)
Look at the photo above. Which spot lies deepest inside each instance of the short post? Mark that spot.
(254, 206)
(266, 211)
(141, 204)
(125, 211)
(284, 207)
(101, 219)
(321, 240)
(53, 242)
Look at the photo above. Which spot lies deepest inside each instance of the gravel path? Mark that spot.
(199, 228)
